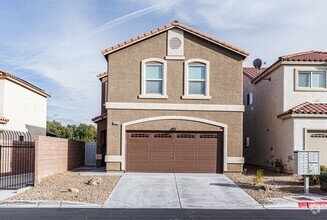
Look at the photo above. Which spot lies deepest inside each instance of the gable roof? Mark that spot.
(307, 108)
(251, 72)
(307, 56)
(174, 24)
(19, 81)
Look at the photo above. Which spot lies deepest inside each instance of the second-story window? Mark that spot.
(312, 79)
(196, 76)
(153, 78)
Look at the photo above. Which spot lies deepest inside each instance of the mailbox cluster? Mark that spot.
(306, 163)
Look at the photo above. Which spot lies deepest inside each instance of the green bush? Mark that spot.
(323, 181)
(314, 180)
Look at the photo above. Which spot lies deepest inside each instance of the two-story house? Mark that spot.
(288, 110)
(23, 106)
(173, 103)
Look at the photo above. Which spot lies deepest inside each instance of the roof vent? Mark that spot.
(175, 43)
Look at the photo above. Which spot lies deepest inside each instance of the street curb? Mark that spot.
(46, 204)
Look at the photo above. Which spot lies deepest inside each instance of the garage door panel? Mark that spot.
(188, 157)
(317, 140)
(140, 167)
(162, 168)
(185, 147)
(162, 147)
(206, 157)
(207, 147)
(162, 157)
(138, 157)
(139, 146)
(174, 152)
(185, 168)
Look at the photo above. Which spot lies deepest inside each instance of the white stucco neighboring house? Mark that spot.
(23, 106)
(288, 109)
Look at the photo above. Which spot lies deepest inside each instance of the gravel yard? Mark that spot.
(56, 188)
(273, 185)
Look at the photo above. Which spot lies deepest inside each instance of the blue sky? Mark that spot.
(56, 44)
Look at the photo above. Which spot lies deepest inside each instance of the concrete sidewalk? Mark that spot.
(198, 191)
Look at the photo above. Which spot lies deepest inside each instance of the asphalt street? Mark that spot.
(171, 214)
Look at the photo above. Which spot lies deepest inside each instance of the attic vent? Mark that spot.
(175, 43)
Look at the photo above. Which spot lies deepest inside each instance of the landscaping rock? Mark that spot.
(74, 190)
(95, 181)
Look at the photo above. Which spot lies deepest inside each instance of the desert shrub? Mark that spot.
(258, 177)
(314, 180)
(323, 181)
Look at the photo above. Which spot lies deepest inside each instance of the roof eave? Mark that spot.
(106, 53)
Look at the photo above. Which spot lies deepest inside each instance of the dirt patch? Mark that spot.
(273, 185)
(58, 188)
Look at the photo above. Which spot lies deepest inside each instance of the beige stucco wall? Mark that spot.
(225, 71)
(226, 88)
(248, 120)
(269, 130)
(25, 109)
(292, 97)
(233, 120)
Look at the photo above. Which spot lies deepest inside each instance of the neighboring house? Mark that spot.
(173, 103)
(23, 106)
(101, 121)
(288, 110)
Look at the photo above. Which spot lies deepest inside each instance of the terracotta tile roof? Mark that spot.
(251, 72)
(101, 75)
(307, 56)
(3, 120)
(170, 26)
(99, 117)
(307, 108)
(316, 56)
(4, 74)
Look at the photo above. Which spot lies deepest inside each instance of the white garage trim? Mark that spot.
(185, 118)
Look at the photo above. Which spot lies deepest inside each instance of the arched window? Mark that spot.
(154, 77)
(196, 76)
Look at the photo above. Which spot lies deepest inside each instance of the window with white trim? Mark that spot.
(312, 79)
(196, 75)
(154, 75)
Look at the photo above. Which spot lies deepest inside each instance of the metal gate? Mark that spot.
(17, 159)
(90, 152)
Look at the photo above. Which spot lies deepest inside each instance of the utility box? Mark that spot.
(306, 163)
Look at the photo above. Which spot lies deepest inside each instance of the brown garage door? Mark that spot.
(174, 152)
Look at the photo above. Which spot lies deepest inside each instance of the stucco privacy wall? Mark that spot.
(269, 130)
(26, 110)
(248, 119)
(57, 155)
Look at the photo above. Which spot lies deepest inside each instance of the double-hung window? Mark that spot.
(153, 79)
(312, 79)
(196, 76)
(154, 74)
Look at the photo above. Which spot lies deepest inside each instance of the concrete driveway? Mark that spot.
(154, 190)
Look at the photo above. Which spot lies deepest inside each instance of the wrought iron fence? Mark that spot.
(17, 159)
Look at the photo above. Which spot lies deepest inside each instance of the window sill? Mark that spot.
(174, 58)
(153, 96)
(299, 89)
(196, 97)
